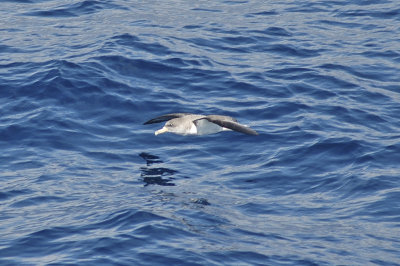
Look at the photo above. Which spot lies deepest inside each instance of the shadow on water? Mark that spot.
(155, 175)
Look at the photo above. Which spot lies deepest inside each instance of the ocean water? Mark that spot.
(84, 182)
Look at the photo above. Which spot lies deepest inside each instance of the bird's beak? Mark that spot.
(160, 131)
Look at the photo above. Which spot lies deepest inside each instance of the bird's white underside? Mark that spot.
(202, 127)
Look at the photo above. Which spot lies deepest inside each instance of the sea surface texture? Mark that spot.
(84, 182)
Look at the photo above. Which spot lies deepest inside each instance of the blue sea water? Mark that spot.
(84, 182)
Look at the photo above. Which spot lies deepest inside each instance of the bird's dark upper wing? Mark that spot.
(222, 117)
(164, 118)
(232, 125)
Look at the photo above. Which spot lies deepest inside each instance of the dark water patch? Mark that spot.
(135, 43)
(162, 231)
(237, 40)
(26, 164)
(254, 208)
(257, 44)
(138, 67)
(289, 50)
(6, 195)
(235, 2)
(206, 10)
(74, 10)
(331, 82)
(387, 154)
(329, 153)
(50, 238)
(34, 201)
(260, 236)
(263, 13)
(390, 55)
(355, 116)
(243, 86)
(289, 73)
(217, 45)
(344, 24)
(4, 49)
(383, 209)
(337, 147)
(46, 178)
(125, 219)
(285, 109)
(277, 31)
(308, 7)
(34, 244)
(104, 156)
(192, 27)
(20, 1)
(381, 14)
(225, 32)
(354, 186)
(312, 91)
(174, 258)
(254, 258)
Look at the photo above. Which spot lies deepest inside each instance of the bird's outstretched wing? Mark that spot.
(231, 125)
(222, 117)
(164, 118)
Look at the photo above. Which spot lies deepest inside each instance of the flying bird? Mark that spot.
(193, 124)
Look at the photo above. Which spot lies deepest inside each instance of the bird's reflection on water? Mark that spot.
(155, 175)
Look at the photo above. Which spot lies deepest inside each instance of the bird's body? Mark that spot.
(193, 124)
